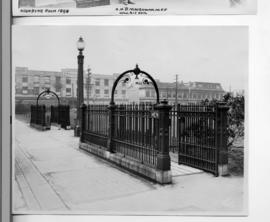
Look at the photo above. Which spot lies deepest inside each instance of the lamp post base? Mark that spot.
(77, 131)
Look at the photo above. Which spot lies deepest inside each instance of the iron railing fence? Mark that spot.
(197, 133)
(135, 132)
(96, 124)
(54, 114)
(193, 134)
(64, 116)
(38, 115)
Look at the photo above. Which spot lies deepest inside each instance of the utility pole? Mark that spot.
(88, 85)
(176, 90)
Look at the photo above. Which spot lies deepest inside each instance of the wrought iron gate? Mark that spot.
(61, 115)
(193, 134)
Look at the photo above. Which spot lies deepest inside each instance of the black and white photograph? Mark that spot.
(130, 120)
(132, 7)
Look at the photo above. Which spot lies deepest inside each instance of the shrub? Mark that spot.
(236, 115)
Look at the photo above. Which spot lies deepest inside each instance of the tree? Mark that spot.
(236, 115)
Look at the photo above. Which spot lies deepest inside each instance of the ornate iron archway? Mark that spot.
(146, 79)
(48, 92)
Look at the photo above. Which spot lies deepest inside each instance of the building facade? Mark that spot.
(183, 93)
(97, 88)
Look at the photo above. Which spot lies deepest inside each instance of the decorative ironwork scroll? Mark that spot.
(48, 92)
(135, 77)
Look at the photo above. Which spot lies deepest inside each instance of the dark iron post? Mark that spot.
(58, 110)
(80, 86)
(43, 116)
(82, 110)
(111, 108)
(222, 138)
(163, 157)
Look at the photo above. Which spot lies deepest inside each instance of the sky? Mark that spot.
(194, 53)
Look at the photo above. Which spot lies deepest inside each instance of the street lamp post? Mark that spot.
(80, 88)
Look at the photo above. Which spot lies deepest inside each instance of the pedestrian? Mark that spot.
(126, 2)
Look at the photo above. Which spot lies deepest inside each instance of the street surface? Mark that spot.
(53, 176)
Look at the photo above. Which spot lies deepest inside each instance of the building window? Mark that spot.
(25, 79)
(18, 90)
(147, 94)
(106, 82)
(123, 92)
(36, 90)
(24, 90)
(97, 83)
(47, 80)
(106, 91)
(97, 91)
(68, 91)
(68, 81)
(58, 84)
(36, 79)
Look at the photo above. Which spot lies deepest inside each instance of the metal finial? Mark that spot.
(137, 70)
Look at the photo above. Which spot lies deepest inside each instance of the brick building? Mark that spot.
(29, 83)
(191, 92)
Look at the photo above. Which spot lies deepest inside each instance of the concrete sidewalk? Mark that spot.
(53, 176)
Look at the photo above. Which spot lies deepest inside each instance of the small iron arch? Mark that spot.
(136, 72)
(47, 92)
